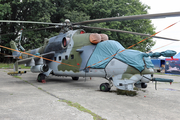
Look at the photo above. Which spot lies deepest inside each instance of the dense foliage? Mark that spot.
(75, 10)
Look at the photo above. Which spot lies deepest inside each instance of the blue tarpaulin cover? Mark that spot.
(156, 54)
(148, 62)
(168, 53)
(102, 51)
(135, 58)
(108, 48)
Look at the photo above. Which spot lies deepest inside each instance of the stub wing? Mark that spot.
(48, 55)
(32, 61)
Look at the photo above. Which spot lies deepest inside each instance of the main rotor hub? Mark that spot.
(67, 21)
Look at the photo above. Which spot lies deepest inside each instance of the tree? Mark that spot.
(32, 10)
(94, 9)
(59, 10)
(114, 8)
(4, 9)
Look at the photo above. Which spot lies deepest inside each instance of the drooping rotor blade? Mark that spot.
(42, 28)
(135, 33)
(133, 17)
(33, 29)
(32, 22)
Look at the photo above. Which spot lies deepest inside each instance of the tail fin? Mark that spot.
(13, 46)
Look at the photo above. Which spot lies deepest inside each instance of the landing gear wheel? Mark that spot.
(109, 87)
(41, 77)
(105, 87)
(75, 78)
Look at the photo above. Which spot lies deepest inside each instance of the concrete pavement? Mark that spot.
(22, 101)
(27, 99)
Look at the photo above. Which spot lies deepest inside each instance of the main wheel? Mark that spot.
(108, 85)
(75, 78)
(105, 87)
(40, 77)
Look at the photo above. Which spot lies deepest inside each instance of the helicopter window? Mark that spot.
(72, 56)
(66, 57)
(59, 58)
(54, 58)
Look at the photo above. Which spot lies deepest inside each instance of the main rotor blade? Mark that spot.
(133, 17)
(31, 22)
(33, 30)
(135, 33)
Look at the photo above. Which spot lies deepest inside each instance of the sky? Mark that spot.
(163, 6)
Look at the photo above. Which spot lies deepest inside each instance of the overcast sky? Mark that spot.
(162, 6)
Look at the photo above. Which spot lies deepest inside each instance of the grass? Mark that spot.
(5, 65)
(11, 66)
(81, 108)
(17, 77)
(126, 92)
(160, 73)
(39, 88)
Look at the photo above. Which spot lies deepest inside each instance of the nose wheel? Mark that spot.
(41, 78)
(105, 87)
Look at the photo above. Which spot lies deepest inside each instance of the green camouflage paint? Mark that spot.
(130, 71)
(80, 40)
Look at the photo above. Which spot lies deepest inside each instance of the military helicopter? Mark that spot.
(76, 53)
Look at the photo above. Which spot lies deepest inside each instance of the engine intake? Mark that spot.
(57, 43)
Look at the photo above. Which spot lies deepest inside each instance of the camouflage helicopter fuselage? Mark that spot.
(74, 55)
